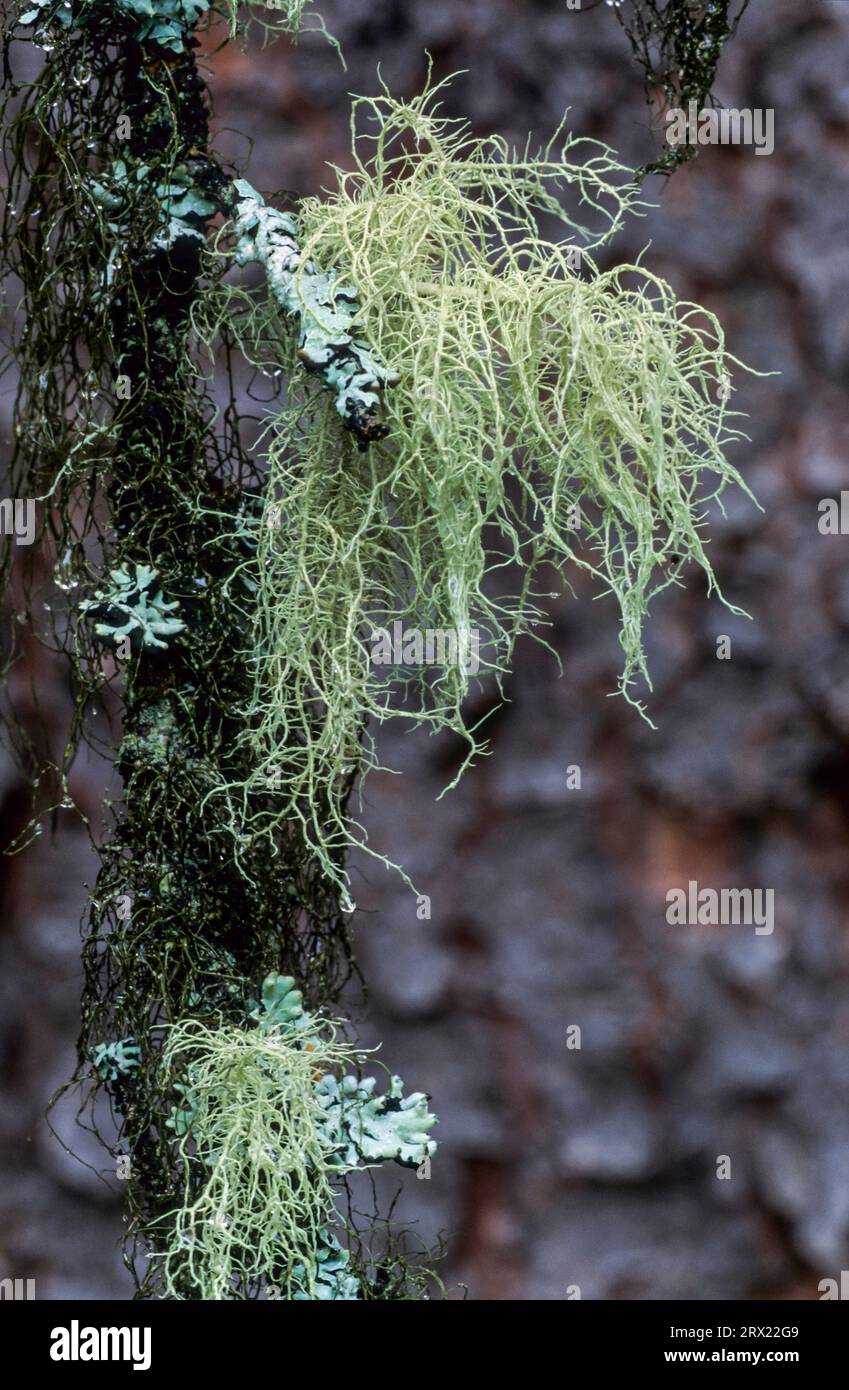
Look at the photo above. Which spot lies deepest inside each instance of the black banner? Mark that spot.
(197, 1338)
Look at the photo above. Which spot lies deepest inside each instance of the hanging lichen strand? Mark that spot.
(467, 403)
(542, 416)
(678, 44)
(263, 1115)
(150, 510)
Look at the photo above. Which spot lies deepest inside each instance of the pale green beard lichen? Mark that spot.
(542, 417)
(262, 1127)
(152, 501)
(257, 1168)
(280, 17)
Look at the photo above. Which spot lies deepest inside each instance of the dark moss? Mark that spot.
(678, 44)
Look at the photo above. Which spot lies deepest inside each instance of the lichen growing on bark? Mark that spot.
(149, 522)
(133, 607)
(324, 308)
(543, 419)
(519, 414)
(262, 1115)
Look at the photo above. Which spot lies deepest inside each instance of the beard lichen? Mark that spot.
(542, 419)
(537, 417)
(262, 1127)
(257, 1195)
(147, 525)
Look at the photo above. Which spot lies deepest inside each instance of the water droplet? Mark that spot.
(62, 575)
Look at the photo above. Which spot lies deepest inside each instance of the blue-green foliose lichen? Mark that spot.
(168, 23)
(116, 1059)
(324, 307)
(133, 607)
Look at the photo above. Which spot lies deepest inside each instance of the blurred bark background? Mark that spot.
(597, 1166)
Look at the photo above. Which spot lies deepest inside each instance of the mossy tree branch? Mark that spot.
(112, 409)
